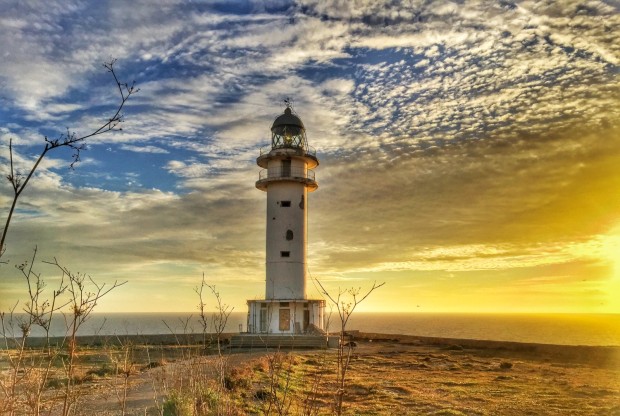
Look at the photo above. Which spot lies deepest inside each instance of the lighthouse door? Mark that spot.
(285, 320)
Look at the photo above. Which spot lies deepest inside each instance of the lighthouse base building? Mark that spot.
(283, 323)
(286, 317)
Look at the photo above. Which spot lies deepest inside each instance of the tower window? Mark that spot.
(285, 254)
(285, 203)
(289, 235)
(286, 168)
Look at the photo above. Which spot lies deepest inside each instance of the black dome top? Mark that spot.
(288, 119)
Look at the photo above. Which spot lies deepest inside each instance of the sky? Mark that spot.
(469, 150)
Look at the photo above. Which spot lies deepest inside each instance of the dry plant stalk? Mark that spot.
(199, 382)
(123, 368)
(345, 303)
(280, 374)
(82, 302)
(76, 297)
(30, 373)
(219, 318)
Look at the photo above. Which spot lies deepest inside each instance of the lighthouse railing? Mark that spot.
(293, 173)
(303, 151)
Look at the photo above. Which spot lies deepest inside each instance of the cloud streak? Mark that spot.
(476, 139)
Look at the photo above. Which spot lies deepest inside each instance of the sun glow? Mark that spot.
(611, 251)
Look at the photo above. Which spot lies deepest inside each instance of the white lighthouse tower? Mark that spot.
(287, 177)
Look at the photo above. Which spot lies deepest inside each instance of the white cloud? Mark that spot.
(144, 149)
(445, 129)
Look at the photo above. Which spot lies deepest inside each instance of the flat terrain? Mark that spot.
(402, 376)
(388, 375)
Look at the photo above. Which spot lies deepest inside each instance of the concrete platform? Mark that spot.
(278, 341)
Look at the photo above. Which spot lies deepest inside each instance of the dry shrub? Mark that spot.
(102, 371)
(261, 365)
(239, 378)
(154, 364)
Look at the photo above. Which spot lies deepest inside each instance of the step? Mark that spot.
(278, 341)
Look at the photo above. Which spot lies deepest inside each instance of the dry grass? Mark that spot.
(394, 379)
(386, 377)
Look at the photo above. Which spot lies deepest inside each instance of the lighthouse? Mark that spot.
(287, 177)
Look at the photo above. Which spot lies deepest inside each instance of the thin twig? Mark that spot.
(68, 139)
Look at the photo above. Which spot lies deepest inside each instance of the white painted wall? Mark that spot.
(286, 276)
(286, 232)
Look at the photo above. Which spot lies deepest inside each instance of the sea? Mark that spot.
(559, 329)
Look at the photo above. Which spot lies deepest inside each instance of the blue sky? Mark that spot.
(469, 150)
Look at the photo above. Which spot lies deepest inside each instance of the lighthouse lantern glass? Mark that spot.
(288, 136)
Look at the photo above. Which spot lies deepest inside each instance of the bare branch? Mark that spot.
(202, 315)
(69, 139)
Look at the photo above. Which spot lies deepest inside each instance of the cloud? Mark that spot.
(144, 149)
(484, 193)
(464, 138)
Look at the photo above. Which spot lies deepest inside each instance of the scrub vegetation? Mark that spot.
(387, 375)
(195, 374)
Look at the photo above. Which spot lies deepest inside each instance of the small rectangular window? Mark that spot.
(285, 203)
(285, 254)
(285, 304)
(286, 168)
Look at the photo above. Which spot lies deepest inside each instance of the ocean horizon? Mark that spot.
(560, 329)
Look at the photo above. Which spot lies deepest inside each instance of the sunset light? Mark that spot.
(469, 151)
(611, 247)
(310, 207)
